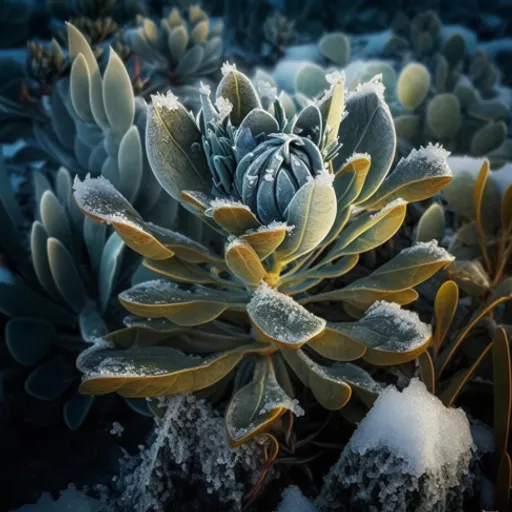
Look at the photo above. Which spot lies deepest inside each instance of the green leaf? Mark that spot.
(392, 335)
(502, 377)
(180, 270)
(279, 319)
(118, 100)
(335, 47)
(422, 174)
(369, 231)
(152, 371)
(409, 268)
(174, 148)
(239, 91)
(130, 163)
(98, 199)
(65, 275)
(310, 80)
(163, 299)
(334, 344)
(445, 306)
(368, 128)
(38, 244)
(110, 264)
(51, 379)
(432, 224)
(55, 220)
(244, 263)
(413, 85)
(254, 408)
(266, 239)
(337, 268)
(312, 212)
(234, 218)
(29, 339)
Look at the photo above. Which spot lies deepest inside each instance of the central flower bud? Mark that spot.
(268, 178)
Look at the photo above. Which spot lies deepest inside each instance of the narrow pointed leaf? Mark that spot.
(502, 376)
(445, 306)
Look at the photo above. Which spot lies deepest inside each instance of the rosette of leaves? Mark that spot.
(96, 125)
(472, 309)
(294, 201)
(180, 49)
(62, 294)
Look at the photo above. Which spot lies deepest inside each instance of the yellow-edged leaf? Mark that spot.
(244, 263)
(478, 194)
(266, 239)
(427, 373)
(502, 374)
(445, 305)
(234, 218)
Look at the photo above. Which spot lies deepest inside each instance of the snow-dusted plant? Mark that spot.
(409, 453)
(294, 201)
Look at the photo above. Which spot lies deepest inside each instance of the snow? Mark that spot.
(324, 177)
(168, 101)
(205, 89)
(369, 45)
(69, 500)
(409, 453)
(354, 157)
(423, 163)
(417, 427)
(224, 106)
(430, 247)
(273, 226)
(408, 332)
(266, 90)
(295, 501)
(393, 204)
(225, 201)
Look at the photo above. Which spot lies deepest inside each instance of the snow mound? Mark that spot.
(409, 451)
(69, 500)
(295, 501)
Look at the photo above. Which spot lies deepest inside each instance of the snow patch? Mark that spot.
(166, 101)
(227, 68)
(295, 501)
(375, 86)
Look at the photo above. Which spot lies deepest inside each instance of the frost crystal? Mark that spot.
(354, 157)
(266, 90)
(432, 161)
(374, 85)
(224, 106)
(324, 177)
(117, 429)
(396, 202)
(224, 201)
(433, 248)
(188, 464)
(227, 68)
(205, 89)
(168, 101)
(409, 453)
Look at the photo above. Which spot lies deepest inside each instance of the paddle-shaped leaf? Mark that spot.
(257, 405)
(312, 212)
(234, 218)
(445, 305)
(368, 128)
(152, 371)
(174, 148)
(163, 299)
(336, 345)
(431, 224)
(267, 239)
(239, 91)
(422, 174)
(244, 263)
(278, 318)
(98, 199)
(180, 270)
(409, 268)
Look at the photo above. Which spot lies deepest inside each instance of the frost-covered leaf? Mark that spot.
(369, 231)
(174, 147)
(422, 174)
(267, 239)
(470, 276)
(336, 345)
(180, 270)
(235, 218)
(163, 299)
(312, 212)
(409, 268)
(310, 80)
(392, 335)
(368, 128)
(239, 91)
(98, 199)
(280, 319)
(152, 371)
(254, 408)
(243, 262)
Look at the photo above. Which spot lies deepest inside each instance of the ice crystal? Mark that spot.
(168, 101)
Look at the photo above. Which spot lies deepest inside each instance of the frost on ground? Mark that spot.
(69, 500)
(409, 453)
(295, 501)
(188, 463)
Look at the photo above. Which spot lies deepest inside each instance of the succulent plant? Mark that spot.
(293, 208)
(60, 297)
(178, 51)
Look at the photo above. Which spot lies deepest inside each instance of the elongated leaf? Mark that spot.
(337, 346)
(38, 243)
(163, 299)
(29, 339)
(239, 91)
(506, 211)
(502, 376)
(445, 306)
(409, 268)
(337, 269)
(369, 231)
(368, 128)
(312, 213)
(254, 408)
(336, 109)
(266, 239)
(235, 219)
(180, 270)
(431, 224)
(174, 148)
(80, 84)
(118, 101)
(130, 163)
(98, 199)
(450, 393)
(110, 264)
(422, 174)
(152, 371)
(65, 275)
(55, 220)
(244, 263)
(478, 195)
(502, 497)
(427, 372)
(280, 319)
